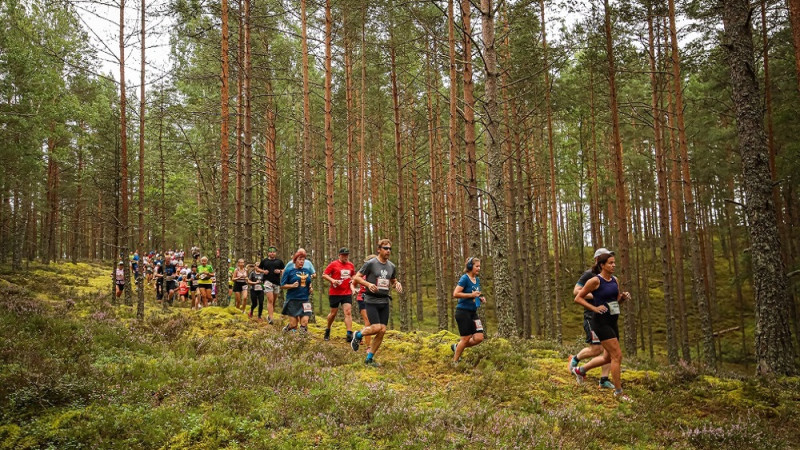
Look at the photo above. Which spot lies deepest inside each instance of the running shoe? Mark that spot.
(606, 385)
(327, 334)
(285, 329)
(355, 343)
(573, 363)
(453, 348)
(579, 377)
(269, 321)
(372, 363)
(250, 314)
(622, 397)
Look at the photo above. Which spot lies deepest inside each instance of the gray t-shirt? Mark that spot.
(588, 275)
(380, 275)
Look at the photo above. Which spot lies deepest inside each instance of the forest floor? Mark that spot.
(76, 371)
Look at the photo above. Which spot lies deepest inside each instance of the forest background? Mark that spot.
(454, 129)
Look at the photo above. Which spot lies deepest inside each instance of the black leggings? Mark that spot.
(257, 299)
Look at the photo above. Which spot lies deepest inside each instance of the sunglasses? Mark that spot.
(387, 248)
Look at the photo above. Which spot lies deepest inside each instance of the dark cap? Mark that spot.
(344, 251)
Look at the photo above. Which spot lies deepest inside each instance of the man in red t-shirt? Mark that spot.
(339, 274)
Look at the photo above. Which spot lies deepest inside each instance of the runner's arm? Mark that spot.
(580, 299)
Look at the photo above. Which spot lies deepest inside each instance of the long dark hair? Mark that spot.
(602, 259)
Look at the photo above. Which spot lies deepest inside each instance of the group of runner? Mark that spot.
(597, 291)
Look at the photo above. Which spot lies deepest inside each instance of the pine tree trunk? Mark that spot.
(247, 144)
(594, 209)
(553, 201)
(303, 234)
(221, 268)
(506, 326)
(698, 285)
(353, 174)
(398, 146)
(621, 191)
(272, 196)
(238, 221)
(329, 200)
(453, 190)
(663, 201)
(471, 225)
(123, 217)
(140, 266)
(774, 351)
(794, 18)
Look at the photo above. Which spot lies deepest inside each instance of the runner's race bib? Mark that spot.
(613, 308)
(345, 275)
(306, 307)
(383, 284)
(195, 282)
(258, 287)
(478, 325)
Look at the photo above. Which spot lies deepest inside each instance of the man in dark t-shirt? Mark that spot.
(378, 275)
(272, 268)
(594, 348)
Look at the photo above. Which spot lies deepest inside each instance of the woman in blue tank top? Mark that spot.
(606, 298)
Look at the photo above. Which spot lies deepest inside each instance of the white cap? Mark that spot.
(602, 251)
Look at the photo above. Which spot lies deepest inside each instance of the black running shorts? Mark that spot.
(591, 336)
(335, 300)
(378, 313)
(605, 326)
(468, 322)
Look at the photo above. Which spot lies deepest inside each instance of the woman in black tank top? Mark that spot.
(605, 306)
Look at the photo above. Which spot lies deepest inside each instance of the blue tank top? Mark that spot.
(608, 291)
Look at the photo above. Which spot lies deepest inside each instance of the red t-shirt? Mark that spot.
(340, 271)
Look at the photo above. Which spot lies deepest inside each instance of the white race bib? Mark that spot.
(346, 274)
(613, 308)
(383, 284)
(258, 287)
(478, 326)
(306, 307)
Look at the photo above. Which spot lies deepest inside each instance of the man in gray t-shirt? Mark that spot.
(378, 275)
(381, 275)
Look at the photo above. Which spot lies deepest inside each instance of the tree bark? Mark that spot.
(794, 19)
(329, 200)
(698, 283)
(140, 266)
(621, 190)
(247, 143)
(302, 222)
(472, 226)
(663, 201)
(222, 265)
(506, 326)
(123, 218)
(774, 350)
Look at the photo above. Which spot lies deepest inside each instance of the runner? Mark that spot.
(297, 282)
(272, 268)
(605, 305)
(170, 274)
(195, 253)
(308, 265)
(158, 276)
(205, 274)
(339, 274)
(240, 285)
(361, 306)
(468, 293)
(119, 279)
(183, 289)
(378, 275)
(256, 282)
(193, 281)
(594, 348)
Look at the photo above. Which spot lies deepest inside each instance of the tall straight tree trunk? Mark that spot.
(398, 146)
(472, 226)
(163, 209)
(774, 351)
(794, 19)
(594, 212)
(222, 265)
(329, 205)
(663, 201)
(362, 158)
(698, 285)
(440, 262)
(272, 197)
(248, 139)
(453, 190)
(621, 190)
(123, 134)
(76, 221)
(303, 233)
(140, 266)
(506, 326)
(353, 174)
(238, 221)
(676, 206)
(553, 201)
